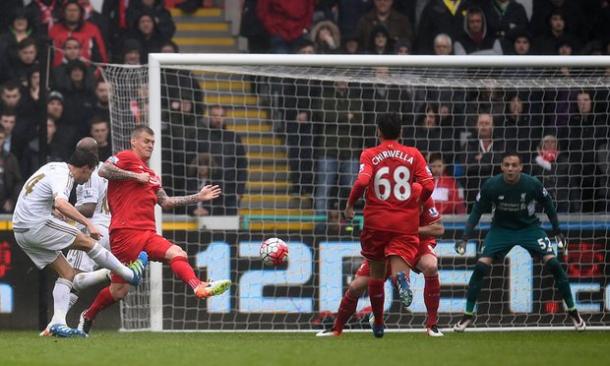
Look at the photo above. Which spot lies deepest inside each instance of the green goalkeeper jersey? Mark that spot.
(513, 205)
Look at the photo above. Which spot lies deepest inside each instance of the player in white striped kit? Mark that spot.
(43, 236)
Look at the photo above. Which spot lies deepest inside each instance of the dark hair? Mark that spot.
(10, 85)
(172, 44)
(8, 113)
(98, 119)
(69, 39)
(304, 43)
(390, 125)
(142, 129)
(81, 158)
(511, 153)
(435, 156)
(27, 42)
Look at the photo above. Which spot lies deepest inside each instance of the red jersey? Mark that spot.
(132, 204)
(388, 171)
(429, 215)
(448, 196)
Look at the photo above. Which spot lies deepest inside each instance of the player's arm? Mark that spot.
(206, 193)
(435, 229)
(423, 176)
(482, 204)
(110, 171)
(362, 181)
(545, 199)
(69, 211)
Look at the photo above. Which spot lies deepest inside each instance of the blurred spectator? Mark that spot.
(73, 25)
(79, 98)
(440, 16)
(305, 47)
(402, 47)
(201, 171)
(443, 45)
(380, 42)
(285, 21)
(72, 55)
(503, 17)
(475, 39)
(101, 105)
(25, 63)
(574, 18)
(100, 131)
(340, 123)
(601, 21)
(252, 28)
(96, 18)
(398, 26)
(226, 148)
(428, 136)
(19, 29)
(10, 178)
(335, 223)
(448, 195)
(7, 9)
(518, 131)
(178, 82)
(115, 11)
(156, 8)
(553, 168)
(326, 37)
(351, 46)
(382, 97)
(33, 87)
(57, 149)
(56, 112)
(131, 52)
(556, 32)
(8, 120)
(521, 43)
(12, 101)
(44, 14)
(483, 156)
(349, 14)
(147, 34)
(585, 133)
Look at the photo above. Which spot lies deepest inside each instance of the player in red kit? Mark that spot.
(395, 178)
(133, 191)
(430, 227)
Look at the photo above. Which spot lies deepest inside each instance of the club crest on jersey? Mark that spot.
(545, 192)
(478, 197)
(433, 212)
(361, 168)
(113, 159)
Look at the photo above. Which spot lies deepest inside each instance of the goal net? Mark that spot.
(282, 136)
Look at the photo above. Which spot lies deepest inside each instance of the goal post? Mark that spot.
(283, 193)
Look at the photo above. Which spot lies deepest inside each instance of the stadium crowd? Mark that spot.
(563, 135)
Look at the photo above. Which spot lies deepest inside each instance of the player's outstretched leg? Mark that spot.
(348, 305)
(481, 270)
(179, 264)
(563, 285)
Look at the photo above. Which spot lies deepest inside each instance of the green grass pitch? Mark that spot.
(251, 349)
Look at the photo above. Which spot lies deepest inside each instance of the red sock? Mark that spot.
(181, 267)
(432, 296)
(377, 295)
(346, 310)
(103, 300)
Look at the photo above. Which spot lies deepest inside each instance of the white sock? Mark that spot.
(61, 300)
(73, 300)
(104, 258)
(87, 279)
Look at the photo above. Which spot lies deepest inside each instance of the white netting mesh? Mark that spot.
(288, 156)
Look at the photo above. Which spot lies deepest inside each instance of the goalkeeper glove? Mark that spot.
(562, 242)
(460, 246)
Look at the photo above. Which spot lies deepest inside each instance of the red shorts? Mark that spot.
(126, 245)
(424, 248)
(378, 245)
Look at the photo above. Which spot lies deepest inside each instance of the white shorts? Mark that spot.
(44, 242)
(80, 260)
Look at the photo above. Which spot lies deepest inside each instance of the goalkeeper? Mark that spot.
(512, 197)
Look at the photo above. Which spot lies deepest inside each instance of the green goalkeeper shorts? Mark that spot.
(499, 241)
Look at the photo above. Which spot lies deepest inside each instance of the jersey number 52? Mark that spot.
(400, 178)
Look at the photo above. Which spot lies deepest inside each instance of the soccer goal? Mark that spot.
(282, 135)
